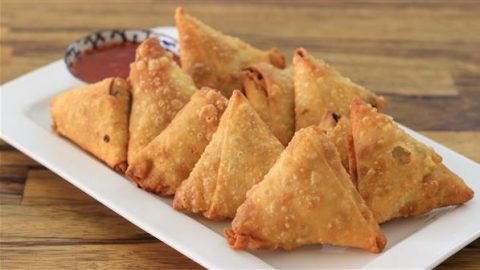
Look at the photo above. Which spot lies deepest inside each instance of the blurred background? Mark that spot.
(424, 56)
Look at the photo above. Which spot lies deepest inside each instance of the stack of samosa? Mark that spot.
(346, 167)
(241, 152)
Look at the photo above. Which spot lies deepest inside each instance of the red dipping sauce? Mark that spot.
(108, 61)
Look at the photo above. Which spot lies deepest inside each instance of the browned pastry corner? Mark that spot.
(95, 117)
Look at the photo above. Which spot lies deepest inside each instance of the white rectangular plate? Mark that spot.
(421, 242)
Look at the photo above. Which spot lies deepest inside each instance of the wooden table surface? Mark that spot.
(424, 56)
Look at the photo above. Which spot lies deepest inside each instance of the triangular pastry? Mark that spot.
(214, 59)
(240, 153)
(306, 198)
(168, 159)
(159, 90)
(320, 88)
(339, 131)
(270, 91)
(96, 118)
(397, 175)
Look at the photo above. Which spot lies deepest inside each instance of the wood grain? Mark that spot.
(422, 55)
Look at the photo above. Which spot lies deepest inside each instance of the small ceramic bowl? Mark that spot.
(101, 38)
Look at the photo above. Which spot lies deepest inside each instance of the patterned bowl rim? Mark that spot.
(72, 52)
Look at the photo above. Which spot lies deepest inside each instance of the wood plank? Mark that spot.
(12, 182)
(467, 259)
(465, 143)
(16, 158)
(90, 256)
(65, 224)
(43, 187)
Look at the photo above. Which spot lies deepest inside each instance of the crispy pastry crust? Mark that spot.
(167, 160)
(95, 117)
(339, 131)
(159, 90)
(320, 88)
(306, 198)
(397, 175)
(241, 151)
(214, 59)
(270, 91)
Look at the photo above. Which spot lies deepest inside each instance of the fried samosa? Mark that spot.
(95, 117)
(397, 175)
(270, 91)
(306, 198)
(240, 153)
(339, 131)
(159, 90)
(214, 59)
(319, 88)
(167, 160)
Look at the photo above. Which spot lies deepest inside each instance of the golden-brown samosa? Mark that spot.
(214, 59)
(339, 131)
(397, 175)
(240, 153)
(306, 198)
(167, 160)
(95, 117)
(270, 91)
(320, 88)
(159, 90)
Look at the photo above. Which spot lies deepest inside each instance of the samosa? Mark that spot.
(167, 160)
(270, 91)
(339, 131)
(214, 59)
(397, 175)
(95, 117)
(240, 153)
(320, 88)
(306, 198)
(159, 90)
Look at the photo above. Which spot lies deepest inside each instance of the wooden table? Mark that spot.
(423, 56)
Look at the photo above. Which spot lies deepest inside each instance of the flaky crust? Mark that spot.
(214, 59)
(159, 90)
(167, 160)
(320, 88)
(270, 91)
(397, 175)
(306, 198)
(339, 131)
(239, 155)
(96, 118)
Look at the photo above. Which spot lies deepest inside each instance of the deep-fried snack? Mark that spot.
(159, 90)
(397, 175)
(320, 88)
(306, 198)
(214, 59)
(270, 91)
(339, 131)
(240, 153)
(95, 117)
(167, 160)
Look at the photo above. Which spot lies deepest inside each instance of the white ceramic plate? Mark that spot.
(421, 242)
